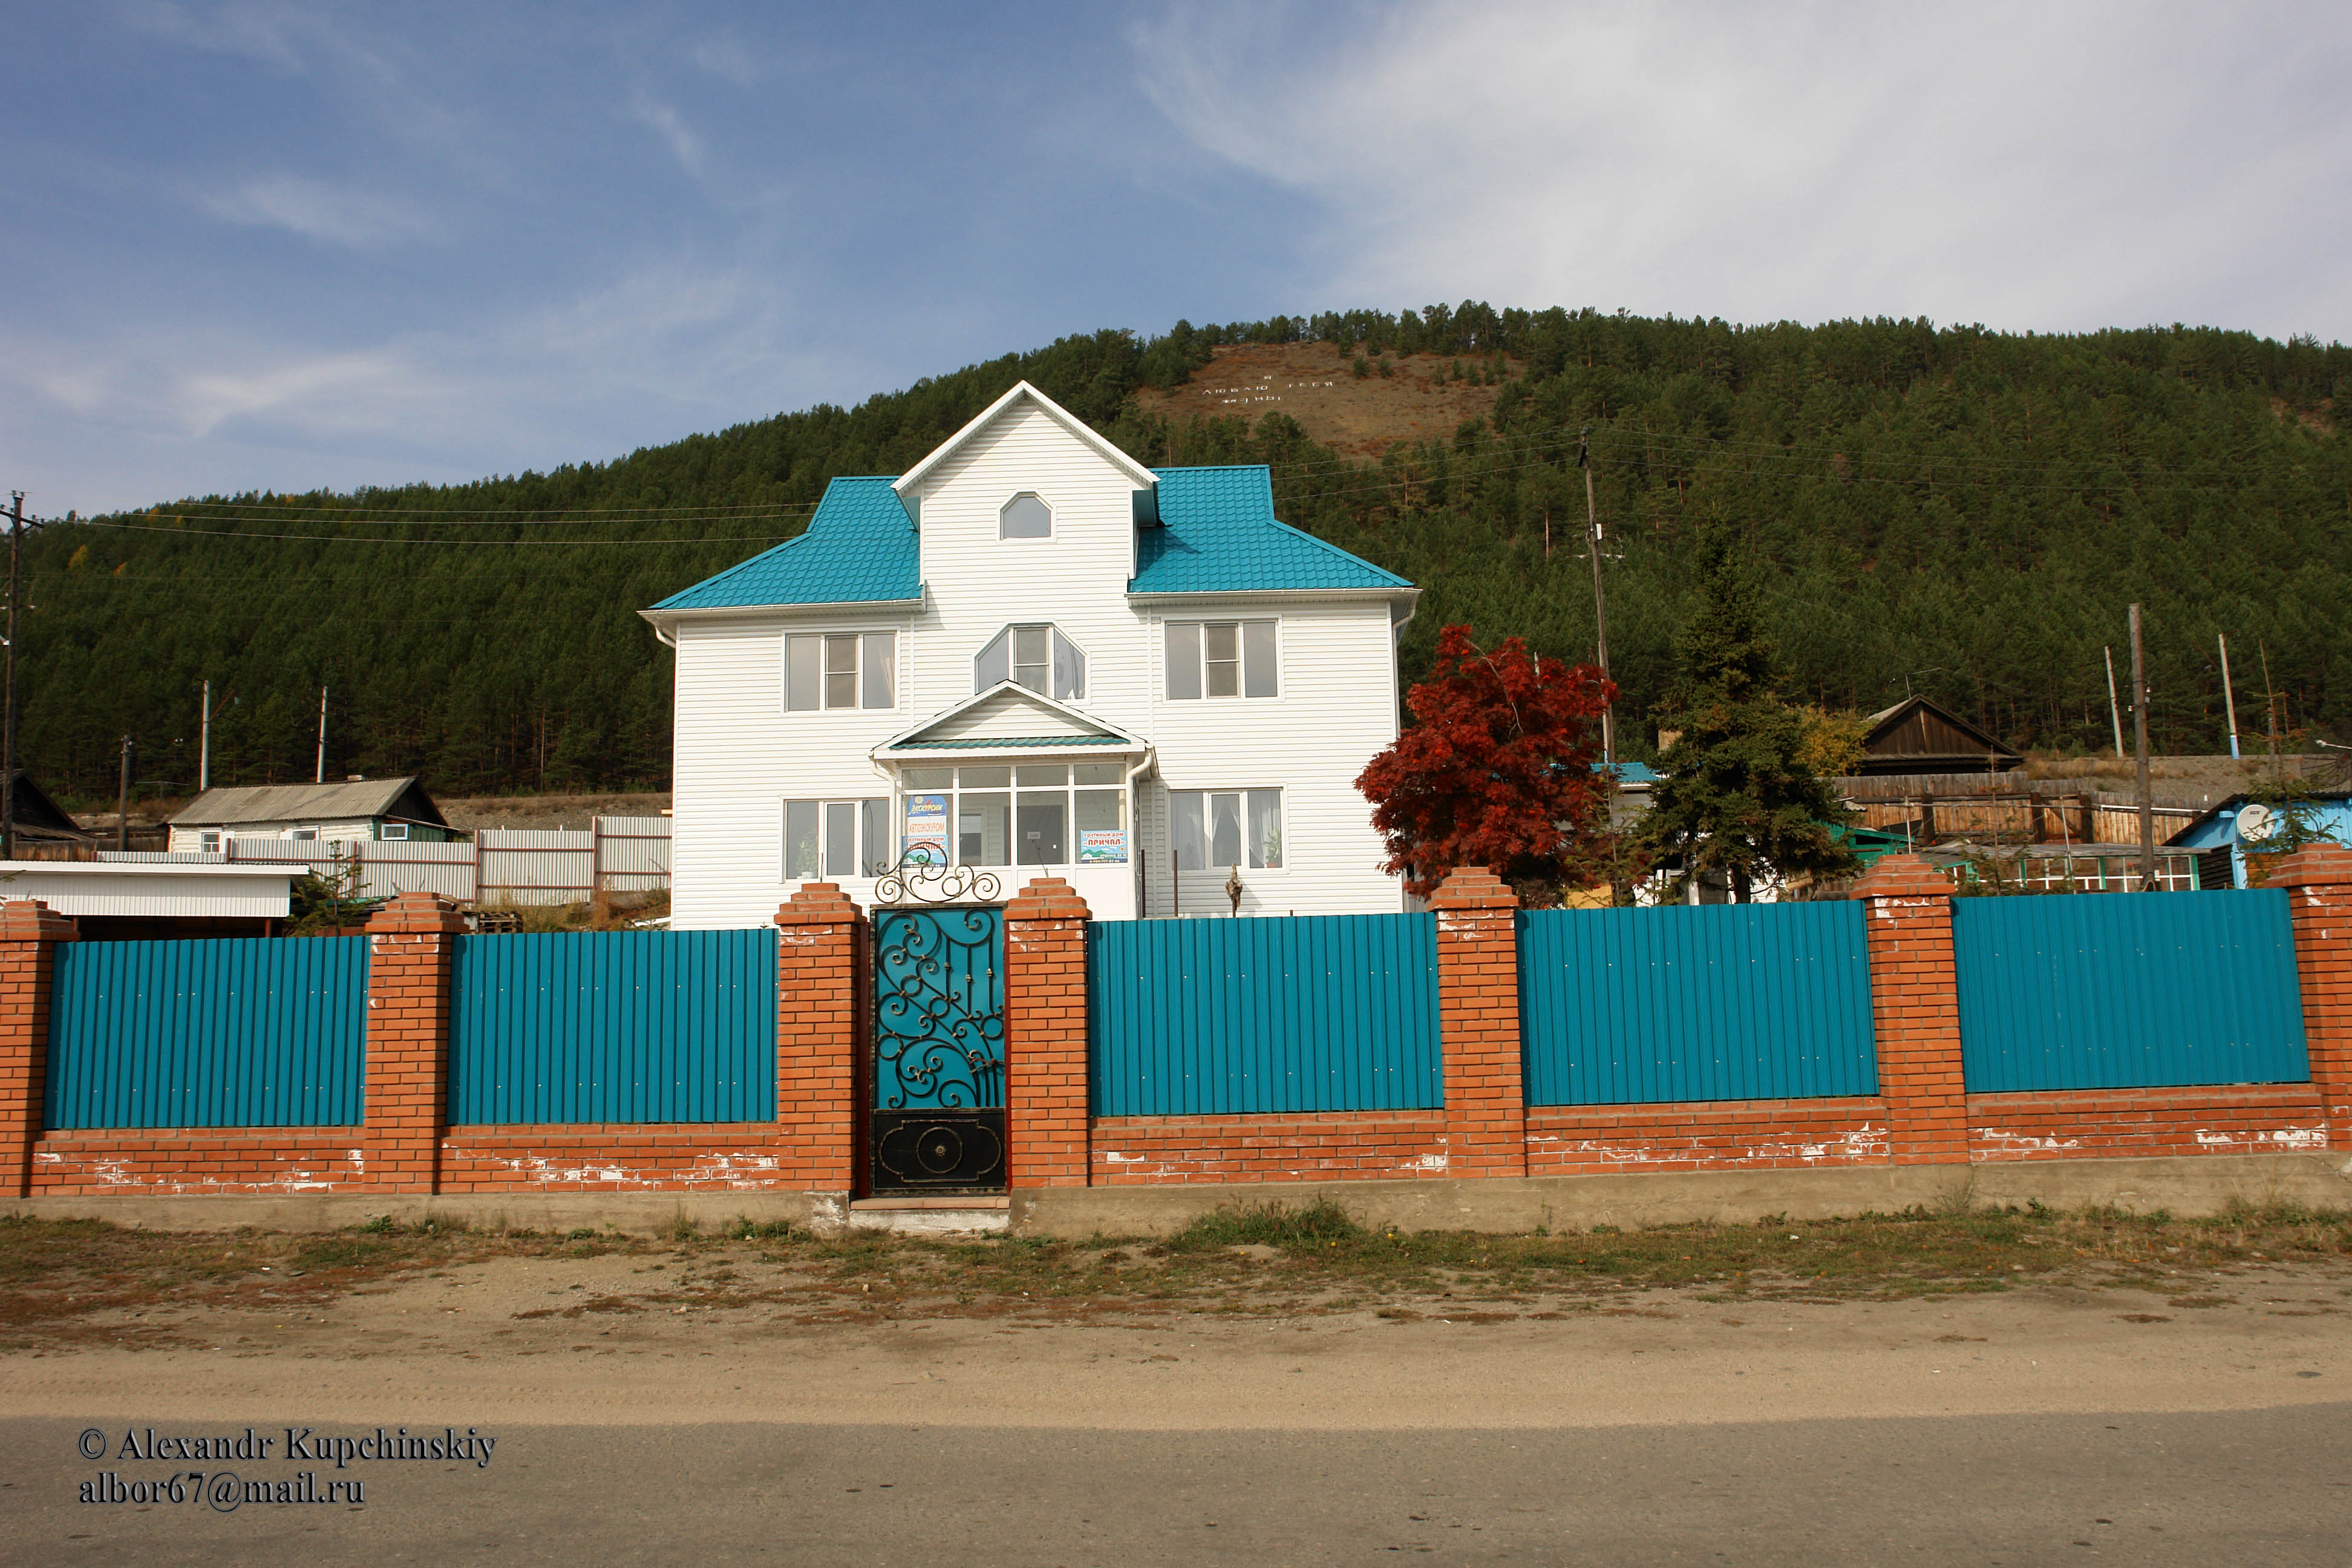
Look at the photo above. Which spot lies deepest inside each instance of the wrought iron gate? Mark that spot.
(938, 1050)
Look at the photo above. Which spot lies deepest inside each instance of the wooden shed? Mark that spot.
(1916, 736)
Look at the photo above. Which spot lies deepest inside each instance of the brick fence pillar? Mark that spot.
(2318, 883)
(29, 933)
(820, 1040)
(1045, 1100)
(1478, 1025)
(411, 947)
(1915, 1009)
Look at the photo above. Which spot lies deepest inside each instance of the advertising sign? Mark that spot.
(1102, 846)
(926, 838)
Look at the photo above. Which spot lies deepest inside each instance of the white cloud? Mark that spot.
(2028, 165)
(670, 126)
(725, 58)
(320, 210)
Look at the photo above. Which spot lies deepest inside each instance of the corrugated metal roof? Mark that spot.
(858, 548)
(297, 803)
(989, 744)
(1218, 533)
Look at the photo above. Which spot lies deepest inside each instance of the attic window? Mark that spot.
(1025, 517)
(1039, 657)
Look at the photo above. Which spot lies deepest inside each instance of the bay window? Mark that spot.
(1039, 657)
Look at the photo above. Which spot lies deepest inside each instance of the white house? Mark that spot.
(356, 811)
(1032, 654)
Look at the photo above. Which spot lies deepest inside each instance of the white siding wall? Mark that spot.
(739, 755)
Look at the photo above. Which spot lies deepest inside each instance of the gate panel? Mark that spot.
(938, 1050)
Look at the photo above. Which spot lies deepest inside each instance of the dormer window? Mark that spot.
(1025, 517)
(1039, 657)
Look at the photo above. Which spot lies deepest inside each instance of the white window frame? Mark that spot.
(1252, 855)
(1009, 635)
(1112, 782)
(1170, 630)
(208, 841)
(1052, 528)
(860, 674)
(302, 834)
(866, 813)
(392, 832)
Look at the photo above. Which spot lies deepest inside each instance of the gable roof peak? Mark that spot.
(1022, 392)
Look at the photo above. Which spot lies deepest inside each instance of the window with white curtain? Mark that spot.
(1217, 828)
(840, 669)
(1220, 658)
(1038, 656)
(836, 838)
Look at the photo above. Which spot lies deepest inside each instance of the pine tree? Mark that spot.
(1738, 798)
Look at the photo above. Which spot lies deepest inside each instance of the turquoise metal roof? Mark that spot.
(858, 548)
(1218, 534)
(991, 744)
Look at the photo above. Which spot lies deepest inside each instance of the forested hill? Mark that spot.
(1963, 511)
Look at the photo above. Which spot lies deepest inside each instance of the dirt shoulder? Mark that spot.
(1979, 1313)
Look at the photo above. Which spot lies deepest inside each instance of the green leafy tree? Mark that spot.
(1737, 796)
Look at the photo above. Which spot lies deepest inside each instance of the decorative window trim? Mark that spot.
(1004, 522)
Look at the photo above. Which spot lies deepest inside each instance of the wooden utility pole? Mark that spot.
(2139, 747)
(321, 776)
(122, 801)
(1599, 606)
(8, 702)
(2228, 695)
(2115, 711)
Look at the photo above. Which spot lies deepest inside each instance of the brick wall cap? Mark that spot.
(1048, 898)
(30, 920)
(1902, 876)
(2312, 866)
(818, 903)
(1472, 887)
(411, 913)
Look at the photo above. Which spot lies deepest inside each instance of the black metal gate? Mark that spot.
(938, 1050)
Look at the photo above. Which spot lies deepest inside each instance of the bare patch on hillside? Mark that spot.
(1315, 383)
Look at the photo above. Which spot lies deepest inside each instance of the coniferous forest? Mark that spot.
(1957, 512)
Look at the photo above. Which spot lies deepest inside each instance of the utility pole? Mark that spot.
(2229, 697)
(321, 777)
(1599, 608)
(122, 801)
(8, 717)
(204, 742)
(2139, 746)
(2114, 709)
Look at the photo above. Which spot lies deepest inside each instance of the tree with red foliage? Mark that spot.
(1496, 771)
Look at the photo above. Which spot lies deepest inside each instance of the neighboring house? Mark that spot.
(1916, 736)
(2221, 837)
(1032, 654)
(40, 819)
(355, 811)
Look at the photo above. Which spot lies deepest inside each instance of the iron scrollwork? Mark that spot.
(939, 1011)
(919, 880)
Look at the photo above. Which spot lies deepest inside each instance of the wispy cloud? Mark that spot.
(670, 126)
(2025, 164)
(323, 211)
(726, 59)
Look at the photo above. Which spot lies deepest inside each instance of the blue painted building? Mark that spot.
(2239, 822)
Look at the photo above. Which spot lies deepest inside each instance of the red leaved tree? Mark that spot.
(1496, 771)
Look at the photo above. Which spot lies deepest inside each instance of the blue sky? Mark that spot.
(274, 245)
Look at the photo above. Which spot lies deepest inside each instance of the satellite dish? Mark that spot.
(2256, 823)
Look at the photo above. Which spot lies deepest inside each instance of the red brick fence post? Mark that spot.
(1046, 1098)
(1915, 1007)
(411, 947)
(1478, 1025)
(2318, 883)
(29, 933)
(820, 957)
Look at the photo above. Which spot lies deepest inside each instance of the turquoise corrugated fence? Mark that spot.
(1239, 1016)
(241, 1033)
(613, 1026)
(2127, 991)
(1719, 1002)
